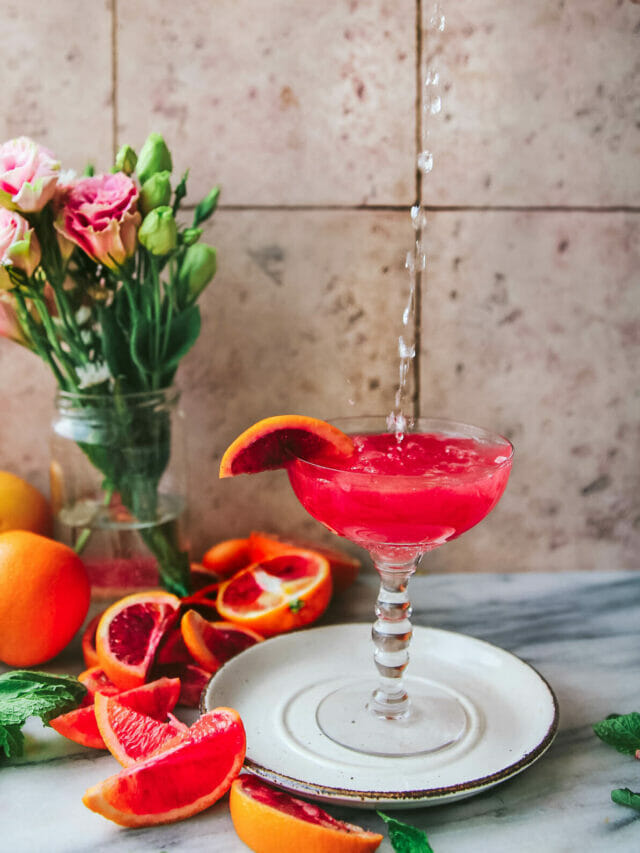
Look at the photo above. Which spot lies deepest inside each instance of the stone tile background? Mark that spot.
(311, 117)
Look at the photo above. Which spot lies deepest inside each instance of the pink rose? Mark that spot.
(99, 214)
(28, 175)
(19, 246)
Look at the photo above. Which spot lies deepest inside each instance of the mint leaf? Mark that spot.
(621, 732)
(625, 797)
(405, 838)
(26, 693)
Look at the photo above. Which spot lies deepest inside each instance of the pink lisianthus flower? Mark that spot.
(100, 215)
(19, 246)
(28, 175)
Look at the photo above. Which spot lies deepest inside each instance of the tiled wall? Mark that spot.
(310, 115)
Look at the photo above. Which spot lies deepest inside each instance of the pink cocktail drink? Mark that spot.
(420, 490)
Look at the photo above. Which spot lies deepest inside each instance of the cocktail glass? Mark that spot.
(409, 494)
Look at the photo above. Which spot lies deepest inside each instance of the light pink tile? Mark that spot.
(531, 326)
(281, 102)
(540, 103)
(56, 78)
(303, 317)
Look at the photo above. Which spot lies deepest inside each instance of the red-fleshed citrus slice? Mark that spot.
(272, 442)
(130, 735)
(214, 643)
(155, 699)
(179, 781)
(344, 567)
(129, 632)
(271, 821)
(279, 594)
(80, 726)
(227, 557)
(96, 681)
(89, 642)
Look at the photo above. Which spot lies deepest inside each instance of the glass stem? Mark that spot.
(391, 634)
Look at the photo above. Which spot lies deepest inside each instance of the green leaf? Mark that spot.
(206, 207)
(11, 741)
(183, 333)
(115, 346)
(625, 797)
(26, 693)
(296, 605)
(621, 732)
(405, 838)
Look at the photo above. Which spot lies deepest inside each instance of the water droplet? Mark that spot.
(433, 105)
(437, 19)
(410, 262)
(418, 217)
(432, 77)
(405, 350)
(425, 161)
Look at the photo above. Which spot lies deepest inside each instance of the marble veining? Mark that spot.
(580, 630)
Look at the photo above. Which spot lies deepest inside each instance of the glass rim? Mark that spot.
(171, 393)
(456, 428)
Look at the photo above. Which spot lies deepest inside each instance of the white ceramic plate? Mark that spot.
(276, 685)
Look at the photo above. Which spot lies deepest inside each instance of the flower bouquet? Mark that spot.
(99, 279)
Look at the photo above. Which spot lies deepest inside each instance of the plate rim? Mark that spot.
(355, 796)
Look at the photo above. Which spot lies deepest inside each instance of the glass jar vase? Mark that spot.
(119, 488)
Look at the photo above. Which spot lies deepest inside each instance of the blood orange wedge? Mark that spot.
(96, 681)
(179, 781)
(214, 643)
(271, 821)
(130, 735)
(279, 594)
(129, 632)
(89, 652)
(344, 568)
(227, 557)
(155, 699)
(272, 442)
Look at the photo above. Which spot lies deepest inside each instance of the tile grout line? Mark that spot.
(419, 276)
(114, 77)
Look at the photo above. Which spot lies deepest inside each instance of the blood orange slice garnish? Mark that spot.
(178, 782)
(129, 632)
(279, 594)
(273, 442)
(214, 643)
(130, 735)
(344, 567)
(271, 821)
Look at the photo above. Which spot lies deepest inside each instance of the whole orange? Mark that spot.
(44, 597)
(22, 506)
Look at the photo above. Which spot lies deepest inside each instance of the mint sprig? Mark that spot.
(26, 693)
(621, 731)
(625, 797)
(405, 838)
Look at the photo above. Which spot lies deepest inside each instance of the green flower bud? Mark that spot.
(198, 268)
(159, 232)
(191, 236)
(155, 192)
(154, 157)
(126, 160)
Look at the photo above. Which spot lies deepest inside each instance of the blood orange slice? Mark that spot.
(129, 632)
(227, 557)
(130, 735)
(179, 781)
(155, 699)
(272, 442)
(214, 643)
(96, 681)
(271, 821)
(344, 567)
(89, 642)
(279, 594)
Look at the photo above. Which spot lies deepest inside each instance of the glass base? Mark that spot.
(435, 720)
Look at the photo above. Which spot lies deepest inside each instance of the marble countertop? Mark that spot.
(580, 630)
